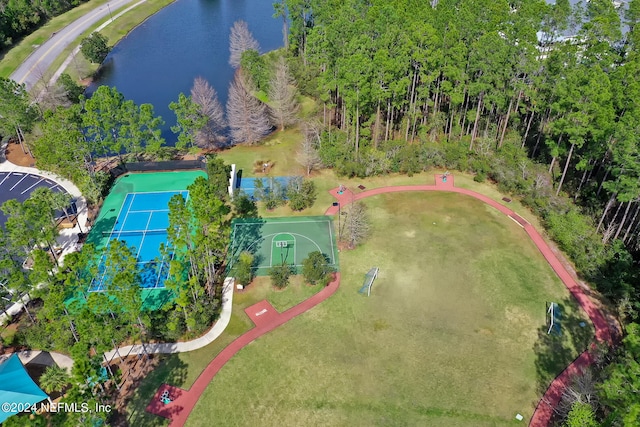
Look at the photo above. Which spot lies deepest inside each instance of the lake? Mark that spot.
(189, 38)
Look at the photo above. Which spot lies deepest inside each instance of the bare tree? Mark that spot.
(582, 389)
(247, 116)
(308, 155)
(240, 40)
(282, 93)
(206, 98)
(357, 224)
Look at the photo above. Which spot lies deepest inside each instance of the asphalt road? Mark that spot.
(33, 68)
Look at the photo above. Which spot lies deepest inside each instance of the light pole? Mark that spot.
(109, 7)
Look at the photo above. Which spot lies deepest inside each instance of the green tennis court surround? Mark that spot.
(274, 241)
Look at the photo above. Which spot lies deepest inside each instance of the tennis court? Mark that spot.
(274, 241)
(142, 224)
(248, 184)
(137, 211)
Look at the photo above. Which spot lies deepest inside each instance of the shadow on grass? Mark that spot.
(555, 351)
(171, 370)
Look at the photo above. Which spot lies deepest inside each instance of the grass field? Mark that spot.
(453, 333)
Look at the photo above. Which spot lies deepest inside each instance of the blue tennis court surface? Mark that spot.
(142, 224)
(248, 184)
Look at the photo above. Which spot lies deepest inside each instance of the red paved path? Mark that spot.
(179, 409)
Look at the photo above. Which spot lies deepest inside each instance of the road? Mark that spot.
(37, 64)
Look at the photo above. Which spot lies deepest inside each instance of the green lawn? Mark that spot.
(453, 333)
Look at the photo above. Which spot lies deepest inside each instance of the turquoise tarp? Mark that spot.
(17, 387)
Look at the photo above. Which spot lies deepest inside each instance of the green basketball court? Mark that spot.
(274, 241)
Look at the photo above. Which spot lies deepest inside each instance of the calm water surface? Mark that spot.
(189, 38)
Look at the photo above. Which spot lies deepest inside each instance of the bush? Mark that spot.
(315, 269)
(301, 193)
(95, 48)
(244, 272)
(280, 275)
(480, 177)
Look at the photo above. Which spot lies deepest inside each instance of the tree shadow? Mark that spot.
(556, 350)
(246, 235)
(167, 369)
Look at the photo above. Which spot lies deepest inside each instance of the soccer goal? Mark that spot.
(553, 318)
(368, 281)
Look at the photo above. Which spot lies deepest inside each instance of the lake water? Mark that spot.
(187, 39)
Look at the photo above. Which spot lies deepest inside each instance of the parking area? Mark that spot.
(19, 185)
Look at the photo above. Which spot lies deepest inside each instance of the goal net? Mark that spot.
(368, 281)
(553, 318)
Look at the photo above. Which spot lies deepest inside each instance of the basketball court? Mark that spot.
(275, 241)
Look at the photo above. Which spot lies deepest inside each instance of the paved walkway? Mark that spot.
(181, 347)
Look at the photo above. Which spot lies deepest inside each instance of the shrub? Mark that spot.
(244, 272)
(243, 206)
(315, 268)
(280, 275)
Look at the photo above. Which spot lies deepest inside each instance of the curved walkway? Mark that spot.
(183, 401)
(545, 408)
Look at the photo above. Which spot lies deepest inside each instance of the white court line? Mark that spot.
(280, 222)
(16, 184)
(5, 178)
(146, 227)
(148, 210)
(41, 179)
(124, 221)
(333, 255)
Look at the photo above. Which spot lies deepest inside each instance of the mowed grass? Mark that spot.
(182, 369)
(453, 333)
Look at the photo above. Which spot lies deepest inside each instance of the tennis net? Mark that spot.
(118, 233)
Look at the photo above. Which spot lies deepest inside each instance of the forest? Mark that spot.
(19, 18)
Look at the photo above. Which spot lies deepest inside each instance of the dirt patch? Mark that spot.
(133, 370)
(16, 156)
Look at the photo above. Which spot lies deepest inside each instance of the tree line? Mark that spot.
(19, 18)
(540, 98)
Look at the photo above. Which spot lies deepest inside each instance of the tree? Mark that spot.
(244, 206)
(301, 193)
(190, 121)
(357, 224)
(247, 116)
(72, 90)
(244, 272)
(219, 175)
(316, 268)
(17, 113)
(280, 274)
(308, 155)
(95, 48)
(254, 65)
(54, 378)
(205, 97)
(581, 415)
(282, 95)
(240, 40)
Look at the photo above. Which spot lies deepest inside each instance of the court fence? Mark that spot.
(160, 166)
